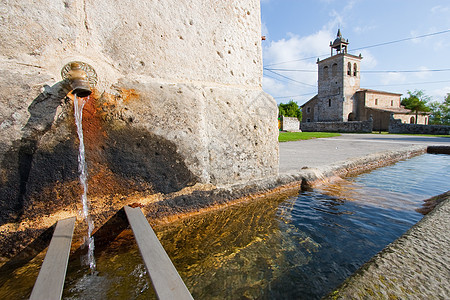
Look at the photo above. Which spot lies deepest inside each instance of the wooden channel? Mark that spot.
(50, 281)
(166, 281)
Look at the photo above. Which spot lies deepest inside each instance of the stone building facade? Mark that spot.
(340, 98)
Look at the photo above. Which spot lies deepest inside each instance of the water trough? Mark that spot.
(165, 278)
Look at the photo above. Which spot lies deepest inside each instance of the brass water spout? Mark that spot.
(80, 76)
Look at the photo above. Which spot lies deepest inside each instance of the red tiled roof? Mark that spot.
(399, 110)
(377, 92)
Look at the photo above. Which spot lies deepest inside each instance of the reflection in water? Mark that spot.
(298, 247)
(120, 274)
(236, 252)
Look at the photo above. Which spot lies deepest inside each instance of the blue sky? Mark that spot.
(299, 29)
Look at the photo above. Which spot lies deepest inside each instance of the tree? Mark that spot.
(290, 109)
(416, 101)
(445, 107)
(440, 112)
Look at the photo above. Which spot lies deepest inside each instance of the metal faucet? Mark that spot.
(80, 76)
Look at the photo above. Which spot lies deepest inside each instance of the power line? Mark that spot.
(281, 80)
(288, 78)
(402, 40)
(300, 59)
(413, 83)
(407, 71)
(278, 79)
(370, 46)
(294, 96)
(373, 71)
(290, 70)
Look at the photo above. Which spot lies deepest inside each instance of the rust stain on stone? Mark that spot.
(128, 95)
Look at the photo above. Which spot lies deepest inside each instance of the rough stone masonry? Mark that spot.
(178, 101)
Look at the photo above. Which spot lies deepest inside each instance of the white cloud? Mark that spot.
(393, 78)
(273, 86)
(264, 29)
(364, 29)
(300, 53)
(349, 5)
(369, 61)
(290, 54)
(440, 94)
(424, 74)
(440, 9)
(296, 48)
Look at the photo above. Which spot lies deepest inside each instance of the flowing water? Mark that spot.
(298, 246)
(82, 169)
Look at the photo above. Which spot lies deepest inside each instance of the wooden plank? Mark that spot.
(165, 278)
(50, 281)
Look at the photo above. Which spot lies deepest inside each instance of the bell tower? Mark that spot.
(338, 81)
(339, 44)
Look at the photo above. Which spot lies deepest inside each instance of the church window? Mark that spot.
(376, 101)
(325, 72)
(392, 102)
(355, 69)
(329, 102)
(334, 69)
(308, 120)
(411, 121)
(308, 110)
(349, 66)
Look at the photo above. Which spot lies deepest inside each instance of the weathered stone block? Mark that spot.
(178, 101)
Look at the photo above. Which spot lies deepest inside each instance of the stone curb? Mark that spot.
(415, 266)
(175, 207)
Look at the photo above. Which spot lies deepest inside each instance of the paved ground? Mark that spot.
(320, 152)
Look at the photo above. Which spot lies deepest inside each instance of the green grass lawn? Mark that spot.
(295, 136)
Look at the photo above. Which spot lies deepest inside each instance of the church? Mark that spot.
(340, 98)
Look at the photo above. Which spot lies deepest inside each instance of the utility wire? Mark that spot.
(280, 79)
(283, 81)
(272, 70)
(402, 40)
(374, 71)
(370, 46)
(288, 78)
(300, 59)
(407, 71)
(412, 83)
(291, 70)
(294, 96)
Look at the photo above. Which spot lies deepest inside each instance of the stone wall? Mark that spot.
(178, 101)
(380, 118)
(353, 126)
(396, 126)
(290, 124)
(411, 118)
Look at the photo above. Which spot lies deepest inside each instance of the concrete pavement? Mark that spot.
(326, 151)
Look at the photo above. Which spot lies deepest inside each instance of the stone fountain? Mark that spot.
(178, 109)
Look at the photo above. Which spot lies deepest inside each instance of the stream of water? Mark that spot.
(82, 169)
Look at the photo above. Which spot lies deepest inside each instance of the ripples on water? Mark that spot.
(297, 247)
(354, 219)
